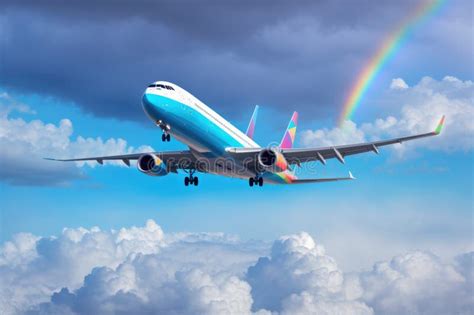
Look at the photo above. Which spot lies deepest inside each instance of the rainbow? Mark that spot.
(384, 53)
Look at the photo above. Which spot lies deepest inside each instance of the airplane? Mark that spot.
(218, 147)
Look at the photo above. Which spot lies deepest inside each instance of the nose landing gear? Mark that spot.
(165, 137)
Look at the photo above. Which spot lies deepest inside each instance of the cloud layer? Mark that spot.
(26, 143)
(144, 270)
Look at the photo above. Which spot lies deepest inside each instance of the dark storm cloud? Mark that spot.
(101, 54)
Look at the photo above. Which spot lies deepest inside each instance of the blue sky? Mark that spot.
(71, 80)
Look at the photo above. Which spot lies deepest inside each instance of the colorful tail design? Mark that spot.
(253, 121)
(289, 137)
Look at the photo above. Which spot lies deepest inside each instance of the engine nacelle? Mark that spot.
(152, 165)
(271, 160)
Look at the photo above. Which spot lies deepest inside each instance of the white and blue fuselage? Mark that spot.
(192, 122)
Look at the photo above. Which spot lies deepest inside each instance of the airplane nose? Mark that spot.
(147, 104)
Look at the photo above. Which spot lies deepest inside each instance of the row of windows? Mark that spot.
(161, 86)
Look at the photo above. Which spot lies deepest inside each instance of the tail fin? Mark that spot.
(253, 121)
(290, 134)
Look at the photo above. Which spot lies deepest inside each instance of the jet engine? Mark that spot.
(152, 165)
(271, 160)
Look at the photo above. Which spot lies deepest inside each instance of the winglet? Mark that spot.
(351, 176)
(253, 121)
(440, 126)
(290, 133)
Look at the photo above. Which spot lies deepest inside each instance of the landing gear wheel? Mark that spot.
(166, 137)
(256, 181)
(191, 179)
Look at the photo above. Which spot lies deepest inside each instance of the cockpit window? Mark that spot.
(167, 87)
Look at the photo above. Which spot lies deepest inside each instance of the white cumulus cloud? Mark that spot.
(419, 283)
(398, 84)
(300, 278)
(422, 107)
(350, 133)
(142, 270)
(25, 143)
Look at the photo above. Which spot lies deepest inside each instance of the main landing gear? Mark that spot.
(257, 180)
(191, 179)
(165, 137)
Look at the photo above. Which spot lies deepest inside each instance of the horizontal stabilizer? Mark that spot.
(322, 180)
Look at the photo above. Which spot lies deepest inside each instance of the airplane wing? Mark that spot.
(302, 155)
(177, 159)
(296, 156)
(322, 180)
